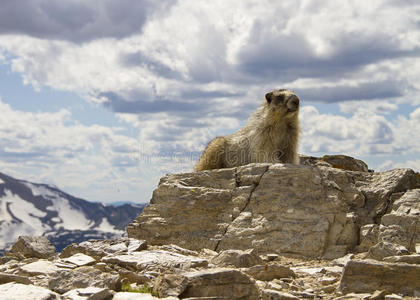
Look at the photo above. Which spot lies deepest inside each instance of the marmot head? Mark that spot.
(284, 102)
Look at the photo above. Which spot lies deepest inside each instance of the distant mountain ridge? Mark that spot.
(28, 208)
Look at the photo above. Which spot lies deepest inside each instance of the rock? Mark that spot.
(40, 267)
(134, 277)
(177, 249)
(237, 258)
(139, 296)
(354, 296)
(98, 249)
(220, 283)
(346, 163)
(377, 295)
(342, 261)
(271, 256)
(136, 245)
(80, 259)
(28, 246)
(328, 280)
(5, 278)
(83, 277)
(155, 260)
(263, 206)
(410, 259)
(14, 291)
(268, 294)
(368, 237)
(362, 276)
(90, 293)
(402, 225)
(393, 297)
(384, 249)
(335, 161)
(170, 285)
(335, 270)
(269, 272)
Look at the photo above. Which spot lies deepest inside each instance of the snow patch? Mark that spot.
(40, 190)
(19, 217)
(107, 227)
(71, 218)
(68, 217)
(1, 181)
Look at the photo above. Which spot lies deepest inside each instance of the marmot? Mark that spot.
(271, 135)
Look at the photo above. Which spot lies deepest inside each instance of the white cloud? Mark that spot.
(378, 107)
(184, 73)
(51, 148)
(365, 132)
(389, 164)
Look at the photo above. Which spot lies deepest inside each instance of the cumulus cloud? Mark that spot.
(183, 72)
(52, 148)
(364, 133)
(75, 20)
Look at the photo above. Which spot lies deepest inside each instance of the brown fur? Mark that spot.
(271, 135)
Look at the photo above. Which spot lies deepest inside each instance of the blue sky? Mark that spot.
(102, 98)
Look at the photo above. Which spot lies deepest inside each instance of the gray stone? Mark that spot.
(40, 267)
(237, 258)
(139, 296)
(354, 296)
(402, 225)
(29, 246)
(361, 276)
(89, 293)
(410, 259)
(377, 295)
(268, 294)
(269, 272)
(83, 277)
(14, 291)
(393, 297)
(100, 248)
(177, 249)
(80, 259)
(384, 249)
(155, 260)
(264, 206)
(328, 280)
(336, 161)
(342, 261)
(220, 283)
(368, 237)
(5, 278)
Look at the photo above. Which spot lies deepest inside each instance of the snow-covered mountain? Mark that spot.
(28, 208)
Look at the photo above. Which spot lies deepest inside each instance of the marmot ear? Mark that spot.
(268, 97)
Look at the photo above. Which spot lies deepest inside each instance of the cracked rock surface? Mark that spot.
(309, 210)
(261, 231)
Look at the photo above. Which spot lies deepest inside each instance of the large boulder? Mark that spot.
(311, 210)
(369, 275)
(13, 291)
(32, 246)
(219, 283)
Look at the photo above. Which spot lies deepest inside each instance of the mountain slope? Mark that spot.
(28, 208)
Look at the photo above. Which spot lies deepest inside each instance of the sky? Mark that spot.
(102, 98)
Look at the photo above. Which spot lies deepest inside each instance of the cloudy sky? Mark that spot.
(103, 97)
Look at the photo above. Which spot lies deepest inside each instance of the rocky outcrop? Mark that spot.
(255, 232)
(311, 210)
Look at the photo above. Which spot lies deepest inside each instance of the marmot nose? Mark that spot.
(292, 102)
